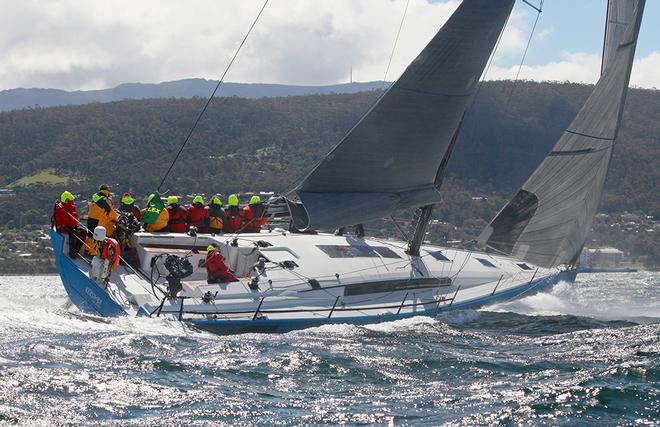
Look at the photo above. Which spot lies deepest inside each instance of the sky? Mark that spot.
(96, 44)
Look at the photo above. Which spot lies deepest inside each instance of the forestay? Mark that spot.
(547, 222)
(389, 160)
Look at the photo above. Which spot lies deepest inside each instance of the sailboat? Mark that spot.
(394, 158)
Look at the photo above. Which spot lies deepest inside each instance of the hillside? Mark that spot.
(246, 144)
(21, 98)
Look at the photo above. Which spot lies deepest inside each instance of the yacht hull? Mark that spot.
(91, 298)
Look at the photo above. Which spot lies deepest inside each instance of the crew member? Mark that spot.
(216, 215)
(65, 220)
(127, 206)
(253, 215)
(177, 215)
(233, 221)
(107, 256)
(154, 217)
(197, 216)
(216, 269)
(101, 213)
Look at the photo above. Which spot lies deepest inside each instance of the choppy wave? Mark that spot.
(586, 353)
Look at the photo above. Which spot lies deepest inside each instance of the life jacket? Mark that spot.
(109, 250)
(233, 219)
(253, 218)
(65, 216)
(216, 268)
(177, 220)
(216, 218)
(197, 216)
(130, 209)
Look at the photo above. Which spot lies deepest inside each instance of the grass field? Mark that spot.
(47, 176)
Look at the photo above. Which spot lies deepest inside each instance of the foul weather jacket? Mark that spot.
(160, 224)
(233, 220)
(216, 269)
(198, 217)
(216, 217)
(66, 216)
(253, 218)
(131, 209)
(177, 219)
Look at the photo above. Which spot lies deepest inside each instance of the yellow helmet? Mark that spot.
(255, 199)
(215, 200)
(171, 200)
(66, 196)
(232, 200)
(198, 199)
(211, 248)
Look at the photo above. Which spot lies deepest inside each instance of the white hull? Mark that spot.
(334, 279)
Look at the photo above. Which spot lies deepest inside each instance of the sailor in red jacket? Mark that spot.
(233, 219)
(177, 221)
(65, 220)
(253, 215)
(216, 269)
(197, 216)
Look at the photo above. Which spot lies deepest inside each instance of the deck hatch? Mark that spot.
(486, 263)
(439, 256)
(357, 251)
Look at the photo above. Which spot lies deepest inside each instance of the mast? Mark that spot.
(423, 214)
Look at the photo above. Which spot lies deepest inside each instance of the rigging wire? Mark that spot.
(208, 101)
(539, 10)
(396, 40)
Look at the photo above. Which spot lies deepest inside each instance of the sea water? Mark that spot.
(580, 354)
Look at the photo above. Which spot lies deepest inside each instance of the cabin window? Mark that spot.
(525, 266)
(439, 256)
(340, 251)
(486, 263)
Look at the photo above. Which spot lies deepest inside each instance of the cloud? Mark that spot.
(85, 44)
(75, 44)
(582, 68)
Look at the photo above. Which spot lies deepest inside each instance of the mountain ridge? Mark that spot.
(29, 98)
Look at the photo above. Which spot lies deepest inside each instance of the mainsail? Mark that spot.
(547, 221)
(390, 159)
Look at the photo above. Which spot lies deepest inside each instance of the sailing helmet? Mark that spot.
(172, 200)
(99, 233)
(66, 196)
(212, 247)
(198, 199)
(215, 200)
(127, 199)
(232, 200)
(255, 200)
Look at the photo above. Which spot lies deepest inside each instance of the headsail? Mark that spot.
(390, 159)
(547, 222)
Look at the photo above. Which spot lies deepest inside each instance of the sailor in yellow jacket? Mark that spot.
(163, 217)
(101, 213)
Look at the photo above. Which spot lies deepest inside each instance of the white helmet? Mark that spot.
(99, 233)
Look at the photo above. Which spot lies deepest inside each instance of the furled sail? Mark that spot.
(547, 221)
(390, 159)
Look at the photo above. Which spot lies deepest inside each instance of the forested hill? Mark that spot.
(269, 143)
